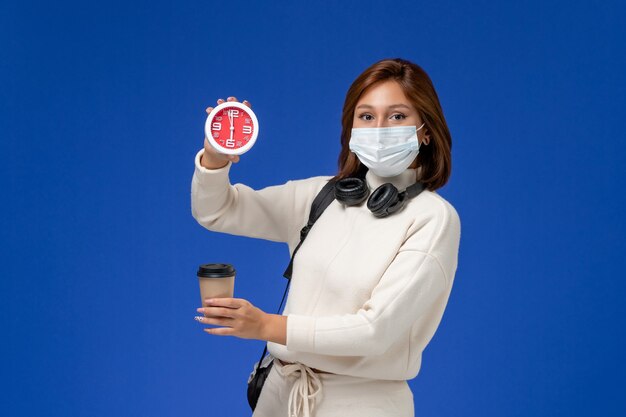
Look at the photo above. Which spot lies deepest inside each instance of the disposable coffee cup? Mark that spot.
(216, 281)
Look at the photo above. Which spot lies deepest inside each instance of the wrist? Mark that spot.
(209, 164)
(274, 328)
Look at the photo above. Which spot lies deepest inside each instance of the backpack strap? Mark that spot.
(322, 200)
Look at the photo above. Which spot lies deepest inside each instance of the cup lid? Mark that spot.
(215, 271)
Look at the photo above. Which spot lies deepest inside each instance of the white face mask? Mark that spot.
(386, 151)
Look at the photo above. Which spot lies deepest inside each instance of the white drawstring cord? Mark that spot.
(304, 390)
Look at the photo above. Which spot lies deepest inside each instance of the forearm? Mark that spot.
(413, 288)
(275, 329)
(238, 209)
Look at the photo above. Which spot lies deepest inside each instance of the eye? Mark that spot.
(366, 116)
(398, 116)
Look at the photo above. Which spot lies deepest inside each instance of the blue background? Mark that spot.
(102, 112)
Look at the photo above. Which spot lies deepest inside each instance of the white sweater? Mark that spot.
(367, 294)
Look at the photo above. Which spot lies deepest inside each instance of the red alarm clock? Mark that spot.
(232, 128)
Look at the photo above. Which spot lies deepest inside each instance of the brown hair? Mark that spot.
(435, 158)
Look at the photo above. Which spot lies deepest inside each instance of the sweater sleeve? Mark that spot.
(273, 213)
(413, 286)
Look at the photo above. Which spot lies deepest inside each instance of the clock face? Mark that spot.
(232, 128)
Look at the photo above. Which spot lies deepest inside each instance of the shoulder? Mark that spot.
(437, 208)
(435, 226)
(309, 187)
(435, 229)
(320, 179)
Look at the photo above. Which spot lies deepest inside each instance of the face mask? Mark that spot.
(386, 151)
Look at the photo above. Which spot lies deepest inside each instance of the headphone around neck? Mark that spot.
(385, 200)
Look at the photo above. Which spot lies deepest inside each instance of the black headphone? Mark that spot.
(385, 200)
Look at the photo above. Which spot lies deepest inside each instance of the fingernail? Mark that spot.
(200, 310)
(208, 300)
(198, 318)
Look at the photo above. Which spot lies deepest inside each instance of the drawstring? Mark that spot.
(304, 390)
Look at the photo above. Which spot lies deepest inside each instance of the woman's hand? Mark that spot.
(240, 318)
(212, 159)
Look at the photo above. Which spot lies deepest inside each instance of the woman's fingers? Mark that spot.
(225, 330)
(216, 321)
(226, 302)
(231, 98)
(220, 331)
(217, 312)
(222, 307)
(237, 316)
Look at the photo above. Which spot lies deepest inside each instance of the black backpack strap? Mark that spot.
(322, 200)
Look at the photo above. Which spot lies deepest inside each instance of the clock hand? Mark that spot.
(232, 121)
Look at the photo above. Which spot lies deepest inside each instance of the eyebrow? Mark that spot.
(393, 106)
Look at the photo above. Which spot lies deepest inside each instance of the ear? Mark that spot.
(426, 138)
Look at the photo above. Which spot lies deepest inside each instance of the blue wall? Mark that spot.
(102, 112)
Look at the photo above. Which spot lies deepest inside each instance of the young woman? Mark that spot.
(367, 292)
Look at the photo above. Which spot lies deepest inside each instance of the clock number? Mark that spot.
(234, 113)
(216, 126)
(230, 143)
(247, 130)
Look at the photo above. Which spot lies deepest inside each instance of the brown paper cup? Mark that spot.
(216, 281)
